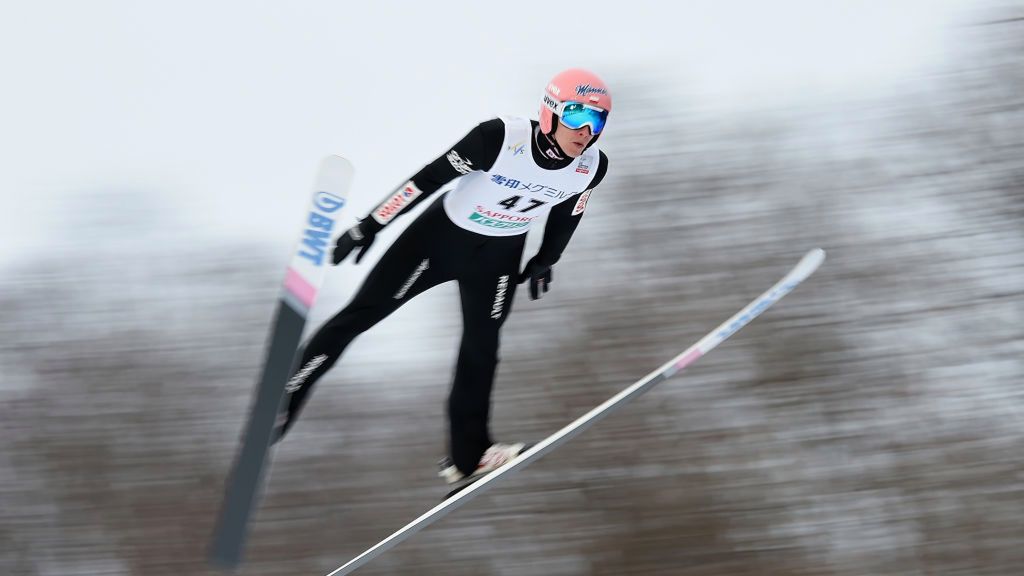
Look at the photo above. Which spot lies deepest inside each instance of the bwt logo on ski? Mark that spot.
(319, 227)
(499, 297)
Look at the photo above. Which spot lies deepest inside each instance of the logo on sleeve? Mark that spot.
(461, 165)
(581, 204)
(386, 211)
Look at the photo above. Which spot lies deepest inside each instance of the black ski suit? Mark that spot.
(431, 251)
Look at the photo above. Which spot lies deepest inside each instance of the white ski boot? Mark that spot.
(495, 457)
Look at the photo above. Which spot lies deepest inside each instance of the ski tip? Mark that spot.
(812, 259)
(337, 160)
(335, 174)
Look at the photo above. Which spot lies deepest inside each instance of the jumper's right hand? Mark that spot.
(356, 237)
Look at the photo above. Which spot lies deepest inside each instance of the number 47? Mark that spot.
(510, 203)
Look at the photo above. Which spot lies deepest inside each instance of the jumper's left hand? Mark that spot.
(539, 276)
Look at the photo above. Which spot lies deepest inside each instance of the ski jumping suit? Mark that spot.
(511, 174)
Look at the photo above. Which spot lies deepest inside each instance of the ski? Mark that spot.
(465, 484)
(460, 496)
(303, 280)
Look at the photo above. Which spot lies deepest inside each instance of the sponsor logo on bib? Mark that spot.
(482, 220)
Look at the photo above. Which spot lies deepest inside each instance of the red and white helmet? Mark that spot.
(573, 85)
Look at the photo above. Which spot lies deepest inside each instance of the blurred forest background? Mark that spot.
(871, 423)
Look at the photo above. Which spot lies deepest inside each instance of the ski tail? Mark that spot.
(302, 282)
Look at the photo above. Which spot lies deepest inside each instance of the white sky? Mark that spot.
(217, 112)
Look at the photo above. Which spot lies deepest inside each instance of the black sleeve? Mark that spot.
(565, 216)
(477, 150)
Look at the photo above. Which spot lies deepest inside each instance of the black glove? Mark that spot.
(361, 234)
(539, 276)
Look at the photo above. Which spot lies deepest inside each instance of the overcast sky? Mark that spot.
(214, 114)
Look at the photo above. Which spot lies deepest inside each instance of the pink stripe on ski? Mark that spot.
(297, 285)
(688, 359)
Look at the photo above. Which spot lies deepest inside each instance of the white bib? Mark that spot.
(505, 200)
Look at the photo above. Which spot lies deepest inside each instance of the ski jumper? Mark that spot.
(474, 234)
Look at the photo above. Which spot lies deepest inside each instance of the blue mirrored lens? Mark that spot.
(576, 116)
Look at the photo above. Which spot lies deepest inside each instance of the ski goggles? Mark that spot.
(576, 115)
